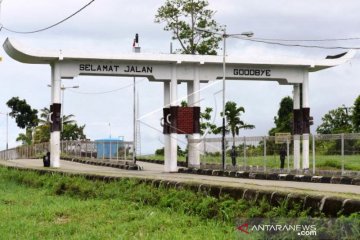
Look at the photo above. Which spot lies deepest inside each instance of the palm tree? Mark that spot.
(234, 123)
(25, 138)
(42, 132)
(44, 117)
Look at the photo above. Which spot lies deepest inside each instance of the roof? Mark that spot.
(39, 56)
(109, 139)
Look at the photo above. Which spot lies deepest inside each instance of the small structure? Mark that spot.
(109, 148)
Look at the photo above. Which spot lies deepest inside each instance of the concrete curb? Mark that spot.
(125, 165)
(180, 164)
(274, 176)
(329, 206)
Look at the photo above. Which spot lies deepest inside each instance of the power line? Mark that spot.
(296, 45)
(51, 26)
(105, 92)
(308, 40)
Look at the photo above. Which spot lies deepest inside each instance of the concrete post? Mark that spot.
(306, 136)
(167, 143)
(296, 99)
(194, 101)
(172, 164)
(55, 98)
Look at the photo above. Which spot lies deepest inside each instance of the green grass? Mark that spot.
(37, 206)
(323, 162)
(52, 206)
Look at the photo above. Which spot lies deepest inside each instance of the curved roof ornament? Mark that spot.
(35, 56)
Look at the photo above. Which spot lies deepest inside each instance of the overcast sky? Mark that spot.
(108, 26)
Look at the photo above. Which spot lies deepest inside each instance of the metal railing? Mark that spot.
(335, 152)
(111, 150)
(338, 153)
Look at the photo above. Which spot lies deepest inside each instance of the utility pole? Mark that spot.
(136, 49)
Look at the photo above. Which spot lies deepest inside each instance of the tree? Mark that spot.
(356, 115)
(72, 131)
(206, 125)
(234, 123)
(25, 138)
(25, 118)
(24, 115)
(336, 121)
(283, 120)
(181, 17)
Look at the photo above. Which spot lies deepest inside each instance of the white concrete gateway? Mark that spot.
(171, 69)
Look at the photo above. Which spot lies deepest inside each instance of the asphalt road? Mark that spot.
(155, 171)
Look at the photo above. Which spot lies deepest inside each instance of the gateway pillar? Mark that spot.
(167, 142)
(193, 91)
(306, 127)
(171, 165)
(297, 122)
(55, 116)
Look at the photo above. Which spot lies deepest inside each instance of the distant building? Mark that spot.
(109, 148)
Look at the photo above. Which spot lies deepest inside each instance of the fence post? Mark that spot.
(117, 150)
(288, 154)
(264, 153)
(342, 154)
(313, 152)
(103, 151)
(110, 150)
(92, 145)
(245, 152)
(86, 148)
(203, 160)
(125, 151)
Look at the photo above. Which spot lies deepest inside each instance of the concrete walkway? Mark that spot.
(155, 171)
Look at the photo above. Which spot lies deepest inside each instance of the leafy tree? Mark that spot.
(356, 115)
(180, 152)
(232, 117)
(206, 125)
(42, 134)
(24, 115)
(336, 121)
(25, 118)
(25, 138)
(182, 17)
(160, 151)
(283, 120)
(72, 131)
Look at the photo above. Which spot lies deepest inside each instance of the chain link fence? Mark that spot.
(110, 150)
(246, 153)
(337, 153)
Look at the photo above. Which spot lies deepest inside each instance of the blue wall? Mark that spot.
(108, 147)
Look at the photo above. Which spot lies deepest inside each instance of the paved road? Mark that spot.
(155, 171)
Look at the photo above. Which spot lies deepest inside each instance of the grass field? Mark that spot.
(34, 206)
(324, 162)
